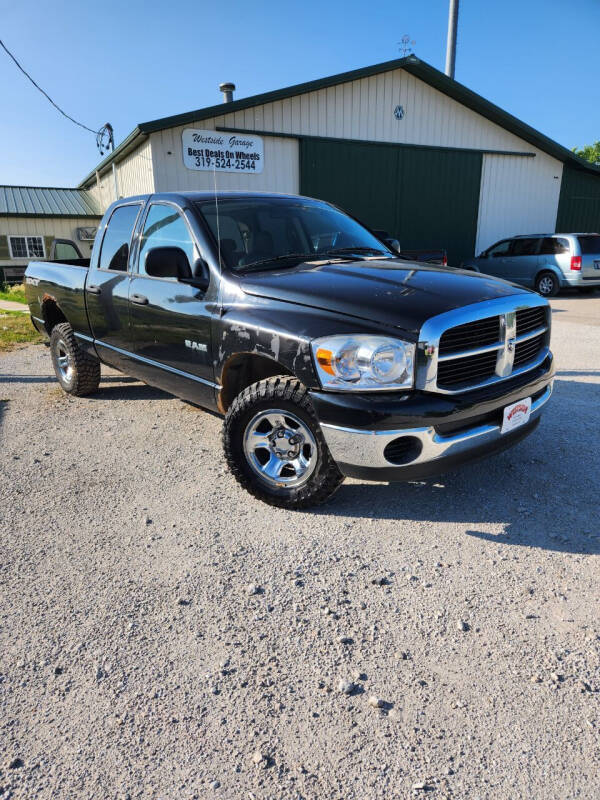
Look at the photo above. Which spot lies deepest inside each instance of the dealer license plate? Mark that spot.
(516, 414)
(596, 265)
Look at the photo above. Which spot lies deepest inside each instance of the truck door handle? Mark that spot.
(139, 299)
(94, 289)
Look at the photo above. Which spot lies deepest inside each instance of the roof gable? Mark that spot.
(420, 69)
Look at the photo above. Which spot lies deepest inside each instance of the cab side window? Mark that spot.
(114, 254)
(165, 227)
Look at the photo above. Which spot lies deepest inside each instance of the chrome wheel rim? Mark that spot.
(280, 448)
(64, 362)
(546, 285)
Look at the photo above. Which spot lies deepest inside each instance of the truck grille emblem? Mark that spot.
(506, 355)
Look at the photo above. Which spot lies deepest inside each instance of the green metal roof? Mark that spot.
(46, 201)
(420, 69)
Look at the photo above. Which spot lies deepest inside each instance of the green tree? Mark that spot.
(591, 152)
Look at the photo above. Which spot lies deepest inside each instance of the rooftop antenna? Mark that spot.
(405, 45)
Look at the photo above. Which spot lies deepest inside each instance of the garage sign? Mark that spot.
(222, 152)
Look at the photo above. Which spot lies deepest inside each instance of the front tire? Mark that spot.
(547, 284)
(275, 448)
(76, 371)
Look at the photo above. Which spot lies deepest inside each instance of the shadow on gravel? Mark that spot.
(133, 391)
(52, 379)
(539, 491)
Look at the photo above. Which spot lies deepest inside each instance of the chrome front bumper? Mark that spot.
(365, 448)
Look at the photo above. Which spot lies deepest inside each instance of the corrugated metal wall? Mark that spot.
(579, 206)
(364, 109)
(518, 195)
(135, 175)
(54, 227)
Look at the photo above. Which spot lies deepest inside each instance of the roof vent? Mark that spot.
(228, 89)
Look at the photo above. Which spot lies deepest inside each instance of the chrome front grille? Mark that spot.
(466, 370)
(481, 344)
(470, 335)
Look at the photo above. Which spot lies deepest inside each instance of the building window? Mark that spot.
(26, 246)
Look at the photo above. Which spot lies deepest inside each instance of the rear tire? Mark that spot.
(76, 371)
(275, 448)
(547, 284)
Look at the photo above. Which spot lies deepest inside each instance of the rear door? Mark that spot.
(107, 287)
(589, 245)
(555, 252)
(171, 320)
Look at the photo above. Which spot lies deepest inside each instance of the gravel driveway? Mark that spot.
(164, 635)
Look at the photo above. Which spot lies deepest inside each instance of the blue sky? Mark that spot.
(131, 61)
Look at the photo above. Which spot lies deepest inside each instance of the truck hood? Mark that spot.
(398, 293)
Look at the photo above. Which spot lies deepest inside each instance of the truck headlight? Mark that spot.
(369, 363)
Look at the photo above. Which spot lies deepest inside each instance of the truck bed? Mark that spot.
(61, 283)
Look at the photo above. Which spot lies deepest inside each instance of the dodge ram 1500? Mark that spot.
(327, 354)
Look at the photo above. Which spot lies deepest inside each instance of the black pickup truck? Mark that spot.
(327, 354)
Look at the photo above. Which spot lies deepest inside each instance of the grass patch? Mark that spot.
(16, 328)
(16, 292)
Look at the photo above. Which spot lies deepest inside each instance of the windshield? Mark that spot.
(256, 231)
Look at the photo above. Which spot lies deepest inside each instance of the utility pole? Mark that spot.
(451, 42)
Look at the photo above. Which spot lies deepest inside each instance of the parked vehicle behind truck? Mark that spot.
(327, 354)
(545, 262)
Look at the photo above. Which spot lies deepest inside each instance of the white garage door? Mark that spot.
(518, 194)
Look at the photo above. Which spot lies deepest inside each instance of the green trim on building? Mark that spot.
(579, 202)
(277, 135)
(420, 69)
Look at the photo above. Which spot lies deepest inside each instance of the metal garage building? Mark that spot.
(31, 218)
(398, 144)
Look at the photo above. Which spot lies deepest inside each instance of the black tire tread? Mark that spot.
(87, 369)
(555, 291)
(323, 482)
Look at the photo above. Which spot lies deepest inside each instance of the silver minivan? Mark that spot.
(545, 262)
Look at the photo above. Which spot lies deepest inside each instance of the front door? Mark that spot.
(496, 262)
(107, 289)
(171, 320)
(522, 260)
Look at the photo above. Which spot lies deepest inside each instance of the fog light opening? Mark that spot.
(403, 450)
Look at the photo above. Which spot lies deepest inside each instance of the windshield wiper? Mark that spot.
(284, 257)
(371, 250)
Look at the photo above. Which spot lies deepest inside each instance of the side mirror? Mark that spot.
(200, 274)
(483, 255)
(393, 244)
(167, 262)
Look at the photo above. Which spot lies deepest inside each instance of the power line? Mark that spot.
(46, 95)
